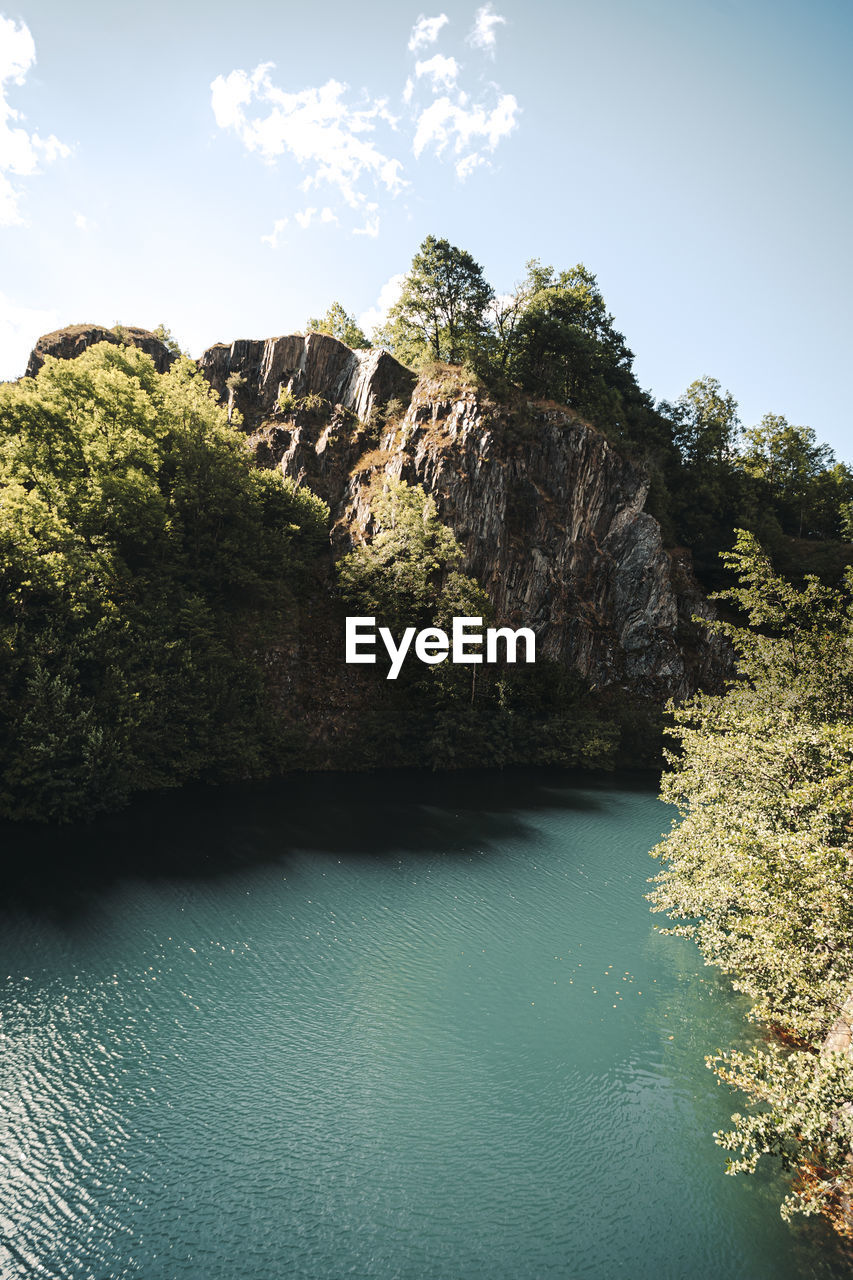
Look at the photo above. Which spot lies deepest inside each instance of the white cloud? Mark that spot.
(425, 31)
(445, 122)
(347, 147)
(306, 216)
(20, 152)
(482, 35)
(441, 70)
(376, 315)
(82, 223)
(467, 165)
(273, 238)
(316, 127)
(19, 329)
(370, 228)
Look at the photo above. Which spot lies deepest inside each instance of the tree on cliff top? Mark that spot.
(565, 346)
(441, 313)
(339, 324)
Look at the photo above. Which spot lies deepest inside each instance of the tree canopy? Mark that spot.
(142, 561)
(757, 869)
(341, 325)
(442, 311)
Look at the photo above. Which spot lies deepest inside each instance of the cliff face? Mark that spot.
(549, 515)
(316, 364)
(551, 522)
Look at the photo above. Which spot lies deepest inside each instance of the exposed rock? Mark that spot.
(549, 515)
(316, 363)
(550, 518)
(68, 343)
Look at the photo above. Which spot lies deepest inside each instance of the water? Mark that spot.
(416, 1028)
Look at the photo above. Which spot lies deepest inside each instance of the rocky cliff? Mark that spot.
(549, 515)
(72, 341)
(313, 365)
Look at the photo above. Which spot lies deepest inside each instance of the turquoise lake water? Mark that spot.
(394, 1027)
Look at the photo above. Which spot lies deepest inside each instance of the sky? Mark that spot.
(230, 170)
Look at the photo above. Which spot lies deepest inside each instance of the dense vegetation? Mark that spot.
(759, 868)
(554, 338)
(453, 715)
(143, 562)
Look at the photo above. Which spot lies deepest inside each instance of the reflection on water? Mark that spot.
(398, 1026)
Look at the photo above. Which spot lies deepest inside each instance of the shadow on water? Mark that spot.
(211, 832)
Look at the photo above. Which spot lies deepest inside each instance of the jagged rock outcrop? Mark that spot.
(315, 364)
(549, 515)
(68, 343)
(550, 518)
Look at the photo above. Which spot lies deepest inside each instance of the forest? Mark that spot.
(149, 568)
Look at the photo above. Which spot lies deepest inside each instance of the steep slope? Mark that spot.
(549, 515)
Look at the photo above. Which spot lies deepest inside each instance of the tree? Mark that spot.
(170, 342)
(340, 325)
(707, 423)
(757, 870)
(801, 476)
(405, 569)
(234, 383)
(564, 345)
(442, 311)
(145, 565)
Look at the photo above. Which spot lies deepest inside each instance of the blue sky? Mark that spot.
(232, 169)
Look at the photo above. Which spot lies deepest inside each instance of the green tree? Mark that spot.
(170, 342)
(412, 561)
(757, 869)
(707, 424)
(564, 346)
(798, 474)
(442, 311)
(145, 567)
(340, 325)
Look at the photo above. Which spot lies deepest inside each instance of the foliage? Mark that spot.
(758, 870)
(553, 338)
(234, 384)
(441, 312)
(314, 403)
(170, 342)
(707, 427)
(287, 402)
(799, 475)
(447, 715)
(404, 574)
(143, 564)
(340, 325)
(564, 345)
